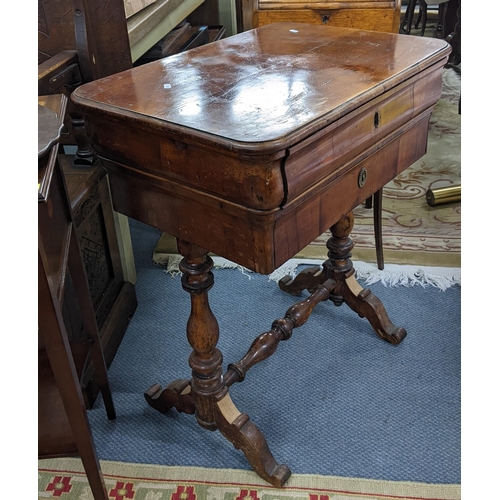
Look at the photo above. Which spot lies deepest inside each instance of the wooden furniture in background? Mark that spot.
(453, 32)
(375, 202)
(441, 6)
(376, 15)
(63, 426)
(423, 5)
(406, 22)
(181, 38)
(99, 48)
(79, 41)
(117, 39)
(252, 157)
(113, 296)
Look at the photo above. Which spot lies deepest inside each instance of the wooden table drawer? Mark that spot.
(328, 151)
(264, 239)
(316, 210)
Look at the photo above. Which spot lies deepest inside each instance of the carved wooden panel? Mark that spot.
(97, 260)
(96, 256)
(56, 30)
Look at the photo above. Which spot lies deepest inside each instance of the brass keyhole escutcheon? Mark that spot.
(362, 177)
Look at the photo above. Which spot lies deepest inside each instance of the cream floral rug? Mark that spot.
(65, 478)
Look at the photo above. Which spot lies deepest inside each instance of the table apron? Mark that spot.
(257, 239)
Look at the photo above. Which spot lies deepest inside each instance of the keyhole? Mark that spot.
(376, 119)
(363, 174)
(325, 19)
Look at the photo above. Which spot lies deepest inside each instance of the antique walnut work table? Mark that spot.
(251, 147)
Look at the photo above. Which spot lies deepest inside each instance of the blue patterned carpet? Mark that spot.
(333, 400)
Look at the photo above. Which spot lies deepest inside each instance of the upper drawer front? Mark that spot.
(328, 150)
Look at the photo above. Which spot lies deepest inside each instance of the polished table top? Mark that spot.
(263, 131)
(273, 85)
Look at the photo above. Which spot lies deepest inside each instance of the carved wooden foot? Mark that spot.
(236, 427)
(369, 306)
(245, 435)
(347, 289)
(176, 395)
(308, 279)
(361, 300)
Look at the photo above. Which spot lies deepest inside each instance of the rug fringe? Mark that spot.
(393, 274)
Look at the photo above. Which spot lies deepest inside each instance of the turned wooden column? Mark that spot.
(339, 265)
(202, 333)
(85, 155)
(361, 300)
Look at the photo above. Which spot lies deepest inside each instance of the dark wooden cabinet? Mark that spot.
(80, 40)
(113, 297)
(63, 426)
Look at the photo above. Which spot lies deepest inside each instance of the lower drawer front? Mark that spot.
(384, 20)
(316, 211)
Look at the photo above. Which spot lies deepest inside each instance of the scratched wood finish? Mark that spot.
(249, 131)
(263, 90)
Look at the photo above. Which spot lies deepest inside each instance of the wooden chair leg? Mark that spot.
(419, 17)
(377, 224)
(54, 336)
(405, 27)
(422, 15)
